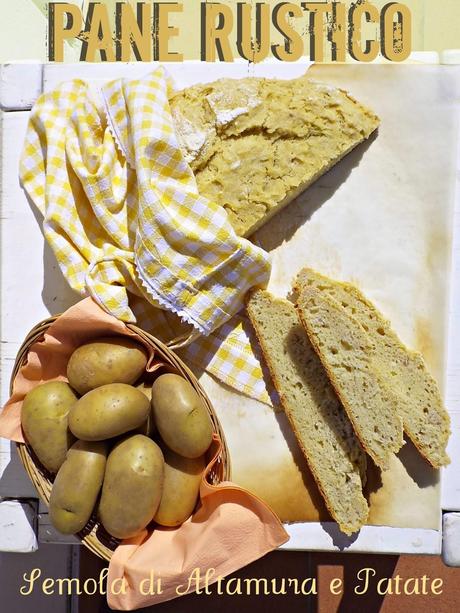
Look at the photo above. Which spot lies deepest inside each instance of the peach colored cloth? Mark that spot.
(231, 527)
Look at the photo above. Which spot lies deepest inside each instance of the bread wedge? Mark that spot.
(346, 351)
(317, 418)
(425, 420)
(255, 144)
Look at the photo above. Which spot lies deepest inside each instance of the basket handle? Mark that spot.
(183, 340)
(175, 343)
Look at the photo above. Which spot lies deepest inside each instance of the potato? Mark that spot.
(148, 427)
(107, 360)
(146, 388)
(108, 411)
(180, 490)
(44, 418)
(181, 416)
(77, 485)
(133, 486)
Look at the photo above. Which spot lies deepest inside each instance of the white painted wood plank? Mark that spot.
(28, 294)
(371, 539)
(18, 526)
(20, 85)
(450, 494)
(188, 73)
(32, 285)
(184, 74)
(450, 57)
(451, 539)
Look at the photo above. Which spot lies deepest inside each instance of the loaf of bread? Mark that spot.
(346, 353)
(420, 405)
(255, 144)
(317, 418)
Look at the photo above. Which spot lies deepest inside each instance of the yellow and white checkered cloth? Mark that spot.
(127, 225)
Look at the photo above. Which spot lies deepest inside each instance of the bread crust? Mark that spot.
(255, 144)
(418, 408)
(361, 507)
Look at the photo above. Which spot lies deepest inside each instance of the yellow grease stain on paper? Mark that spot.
(301, 501)
(428, 329)
(428, 346)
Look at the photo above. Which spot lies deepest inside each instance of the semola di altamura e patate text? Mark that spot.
(314, 29)
(208, 582)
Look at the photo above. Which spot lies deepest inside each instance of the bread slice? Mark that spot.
(317, 418)
(346, 353)
(426, 421)
(255, 144)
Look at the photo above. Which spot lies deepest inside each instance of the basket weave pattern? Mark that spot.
(93, 536)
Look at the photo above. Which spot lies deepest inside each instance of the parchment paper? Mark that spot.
(382, 219)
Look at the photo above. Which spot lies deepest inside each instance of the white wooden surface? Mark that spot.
(33, 287)
(450, 498)
(451, 540)
(20, 88)
(371, 539)
(18, 526)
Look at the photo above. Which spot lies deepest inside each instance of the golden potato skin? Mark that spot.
(44, 419)
(180, 490)
(148, 427)
(77, 485)
(133, 486)
(108, 360)
(146, 388)
(180, 416)
(108, 411)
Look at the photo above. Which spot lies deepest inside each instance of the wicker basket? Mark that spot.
(93, 535)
